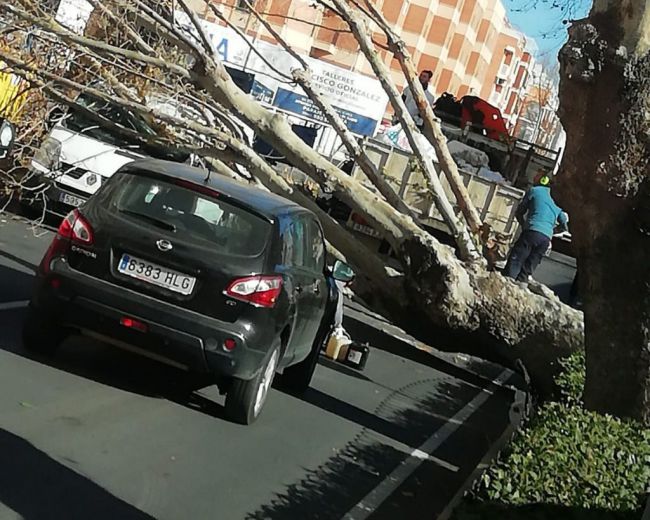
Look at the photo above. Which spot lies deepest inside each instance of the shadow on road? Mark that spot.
(475, 371)
(102, 363)
(18, 260)
(331, 490)
(334, 488)
(35, 486)
(111, 366)
(15, 285)
(342, 369)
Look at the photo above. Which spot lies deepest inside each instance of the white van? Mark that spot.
(78, 155)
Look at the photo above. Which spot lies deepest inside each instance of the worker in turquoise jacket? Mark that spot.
(539, 215)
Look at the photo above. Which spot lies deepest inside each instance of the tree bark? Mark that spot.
(604, 96)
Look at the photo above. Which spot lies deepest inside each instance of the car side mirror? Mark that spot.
(342, 272)
(7, 136)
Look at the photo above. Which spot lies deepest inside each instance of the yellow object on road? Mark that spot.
(338, 342)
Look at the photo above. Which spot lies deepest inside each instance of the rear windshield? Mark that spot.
(225, 227)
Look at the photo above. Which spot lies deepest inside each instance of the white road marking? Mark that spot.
(371, 502)
(14, 305)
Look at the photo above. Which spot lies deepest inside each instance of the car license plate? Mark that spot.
(71, 200)
(156, 275)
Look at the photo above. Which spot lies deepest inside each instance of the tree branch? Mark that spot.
(458, 229)
(252, 47)
(432, 129)
(303, 78)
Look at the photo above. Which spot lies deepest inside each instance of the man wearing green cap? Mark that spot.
(538, 215)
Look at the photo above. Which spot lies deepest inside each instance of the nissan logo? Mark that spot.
(164, 245)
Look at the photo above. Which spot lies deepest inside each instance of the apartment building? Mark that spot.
(468, 44)
(538, 122)
(509, 73)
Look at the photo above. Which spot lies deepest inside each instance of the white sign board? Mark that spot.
(359, 100)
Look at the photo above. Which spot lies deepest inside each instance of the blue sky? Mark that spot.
(542, 19)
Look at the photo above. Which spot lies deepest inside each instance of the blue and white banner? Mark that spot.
(303, 106)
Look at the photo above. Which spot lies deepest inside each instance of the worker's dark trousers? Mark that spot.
(526, 255)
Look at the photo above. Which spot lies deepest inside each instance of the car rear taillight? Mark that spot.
(261, 291)
(76, 228)
(73, 228)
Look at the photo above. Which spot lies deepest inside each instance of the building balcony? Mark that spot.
(504, 71)
(325, 48)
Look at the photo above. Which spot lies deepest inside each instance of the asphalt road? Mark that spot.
(95, 432)
(557, 272)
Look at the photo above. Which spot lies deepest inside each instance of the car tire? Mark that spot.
(245, 398)
(297, 378)
(40, 334)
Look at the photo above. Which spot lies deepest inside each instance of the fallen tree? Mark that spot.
(175, 60)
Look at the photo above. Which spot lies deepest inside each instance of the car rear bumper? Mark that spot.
(185, 338)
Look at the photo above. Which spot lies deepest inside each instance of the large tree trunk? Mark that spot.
(605, 185)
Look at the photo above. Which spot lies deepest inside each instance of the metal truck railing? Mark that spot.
(496, 202)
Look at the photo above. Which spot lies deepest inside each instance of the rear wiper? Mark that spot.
(153, 220)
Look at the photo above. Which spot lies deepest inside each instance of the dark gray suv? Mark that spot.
(206, 274)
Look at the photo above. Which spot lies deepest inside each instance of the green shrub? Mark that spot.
(570, 457)
(571, 379)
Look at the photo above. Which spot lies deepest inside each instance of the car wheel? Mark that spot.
(297, 378)
(246, 398)
(41, 334)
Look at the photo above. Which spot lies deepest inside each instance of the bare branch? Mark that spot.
(303, 78)
(361, 33)
(306, 22)
(133, 35)
(197, 26)
(432, 129)
(49, 25)
(240, 33)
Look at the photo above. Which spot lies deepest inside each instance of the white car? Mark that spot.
(78, 155)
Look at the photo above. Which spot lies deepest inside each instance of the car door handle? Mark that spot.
(298, 289)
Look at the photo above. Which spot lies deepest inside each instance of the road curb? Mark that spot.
(519, 412)
(364, 326)
(367, 327)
